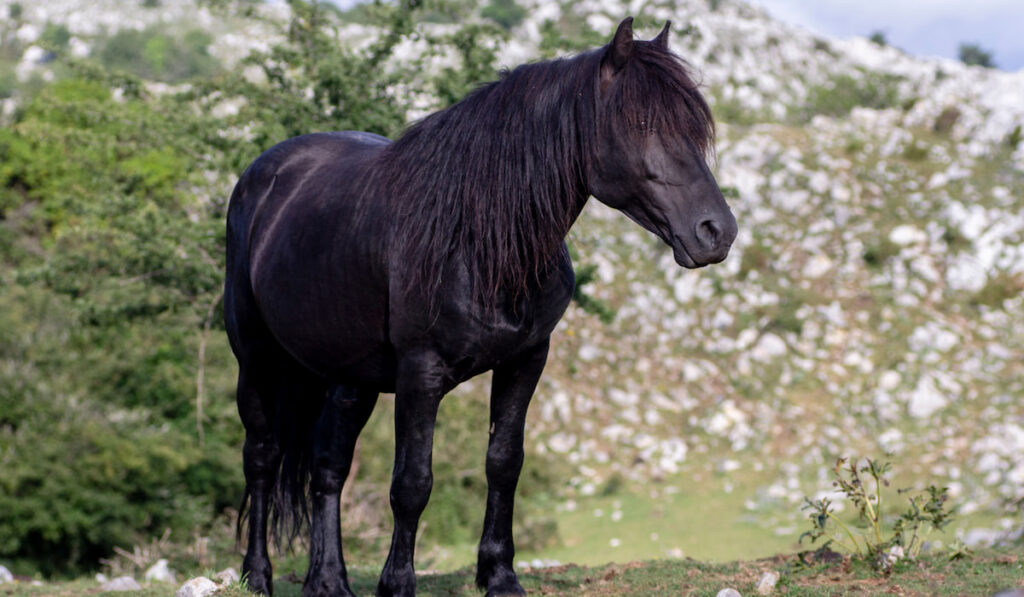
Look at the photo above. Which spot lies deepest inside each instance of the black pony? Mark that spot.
(356, 265)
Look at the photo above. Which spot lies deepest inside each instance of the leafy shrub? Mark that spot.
(572, 36)
(55, 37)
(8, 79)
(915, 151)
(946, 120)
(157, 56)
(1014, 138)
(861, 486)
(998, 288)
(878, 38)
(97, 434)
(973, 54)
(506, 13)
(842, 93)
(876, 254)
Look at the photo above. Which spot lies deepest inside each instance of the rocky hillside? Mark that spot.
(873, 302)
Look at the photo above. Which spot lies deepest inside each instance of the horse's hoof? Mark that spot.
(260, 586)
(397, 584)
(505, 589)
(500, 581)
(257, 578)
(327, 589)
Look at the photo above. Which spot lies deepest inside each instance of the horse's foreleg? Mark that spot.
(344, 415)
(418, 394)
(512, 387)
(261, 458)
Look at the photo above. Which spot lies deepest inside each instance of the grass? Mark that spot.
(933, 575)
(658, 526)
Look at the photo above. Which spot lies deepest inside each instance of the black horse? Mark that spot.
(356, 265)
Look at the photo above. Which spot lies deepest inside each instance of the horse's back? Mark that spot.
(303, 257)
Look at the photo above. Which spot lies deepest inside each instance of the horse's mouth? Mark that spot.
(682, 256)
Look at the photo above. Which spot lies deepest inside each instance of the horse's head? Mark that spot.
(654, 130)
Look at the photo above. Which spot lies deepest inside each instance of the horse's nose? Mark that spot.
(714, 236)
(709, 233)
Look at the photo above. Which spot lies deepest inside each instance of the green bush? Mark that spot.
(861, 486)
(55, 37)
(101, 317)
(973, 54)
(842, 93)
(506, 13)
(151, 54)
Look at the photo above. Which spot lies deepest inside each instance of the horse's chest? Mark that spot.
(472, 344)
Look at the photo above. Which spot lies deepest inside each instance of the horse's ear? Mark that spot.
(662, 40)
(621, 46)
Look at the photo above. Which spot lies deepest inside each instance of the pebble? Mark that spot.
(121, 583)
(159, 572)
(766, 584)
(226, 576)
(728, 593)
(199, 586)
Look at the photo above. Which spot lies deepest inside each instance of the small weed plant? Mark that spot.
(878, 536)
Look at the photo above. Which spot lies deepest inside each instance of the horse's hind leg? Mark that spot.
(344, 415)
(261, 458)
(511, 389)
(279, 402)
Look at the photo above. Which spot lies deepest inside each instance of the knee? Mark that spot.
(328, 477)
(504, 461)
(260, 457)
(410, 491)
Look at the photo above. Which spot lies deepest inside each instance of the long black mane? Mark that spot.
(497, 179)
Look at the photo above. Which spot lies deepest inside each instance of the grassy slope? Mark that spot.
(984, 574)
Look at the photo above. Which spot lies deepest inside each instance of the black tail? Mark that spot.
(290, 512)
(288, 503)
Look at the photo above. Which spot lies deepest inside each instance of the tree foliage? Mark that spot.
(974, 55)
(110, 262)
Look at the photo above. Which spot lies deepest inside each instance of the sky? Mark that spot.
(919, 27)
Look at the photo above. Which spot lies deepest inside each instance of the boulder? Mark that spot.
(199, 586)
(121, 583)
(159, 572)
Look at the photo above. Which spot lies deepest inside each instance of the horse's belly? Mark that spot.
(333, 322)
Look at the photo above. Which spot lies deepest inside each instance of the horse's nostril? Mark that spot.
(708, 233)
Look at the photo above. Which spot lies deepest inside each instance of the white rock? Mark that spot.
(728, 593)
(768, 347)
(907, 235)
(159, 572)
(926, 399)
(121, 583)
(227, 576)
(892, 556)
(766, 584)
(817, 266)
(199, 586)
(5, 575)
